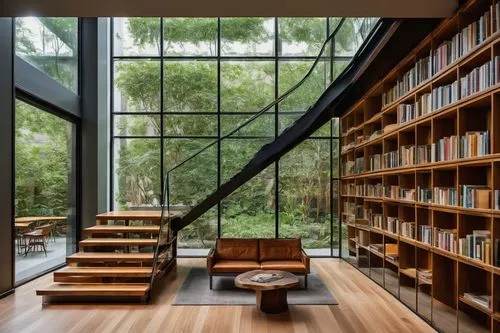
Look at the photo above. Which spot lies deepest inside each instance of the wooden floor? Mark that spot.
(364, 307)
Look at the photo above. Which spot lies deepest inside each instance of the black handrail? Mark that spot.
(270, 105)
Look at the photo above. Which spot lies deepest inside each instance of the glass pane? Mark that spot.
(304, 195)
(336, 126)
(199, 237)
(190, 125)
(287, 120)
(335, 158)
(196, 178)
(301, 36)
(261, 126)
(51, 45)
(250, 210)
(351, 35)
(45, 191)
(190, 36)
(190, 86)
(291, 72)
(246, 86)
(136, 173)
(136, 36)
(131, 125)
(236, 153)
(337, 68)
(249, 36)
(136, 86)
(336, 218)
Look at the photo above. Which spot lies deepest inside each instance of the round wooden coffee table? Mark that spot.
(271, 296)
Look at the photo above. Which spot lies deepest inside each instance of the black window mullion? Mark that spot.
(219, 159)
(276, 127)
(162, 111)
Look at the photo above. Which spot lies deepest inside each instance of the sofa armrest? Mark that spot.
(306, 261)
(210, 261)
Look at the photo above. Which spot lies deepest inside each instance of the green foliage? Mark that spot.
(42, 160)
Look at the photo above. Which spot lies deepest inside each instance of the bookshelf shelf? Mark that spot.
(428, 140)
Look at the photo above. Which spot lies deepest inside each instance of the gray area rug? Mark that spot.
(196, 291)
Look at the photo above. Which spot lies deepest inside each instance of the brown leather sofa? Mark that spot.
(233, 256)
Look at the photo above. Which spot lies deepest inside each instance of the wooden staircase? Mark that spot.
(115, 262)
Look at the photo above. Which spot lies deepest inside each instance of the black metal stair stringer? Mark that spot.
(318, 115)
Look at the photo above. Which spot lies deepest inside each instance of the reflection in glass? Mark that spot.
(44, 187)
(136, 173)
(51, 45)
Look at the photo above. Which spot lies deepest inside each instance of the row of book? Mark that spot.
(391, 159)
(368, 190)
(444, 95)
(445, 196)
(476, 245)
(375, 162)
(472, 144)
(392, 224)
(399, 193)
(376, 221)
(480, 78)
(425, 234)
(424, 194)
(349, 207)
(423, 105)
(475, 196)
(446, 239)
(424, 154)
(407, 155)
(424, 276)
(407, 229)
(348, 189)
(445, 54)
(496, 199)
(406, 113)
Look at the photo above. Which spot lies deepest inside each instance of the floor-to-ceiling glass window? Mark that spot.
(45, 139)
(45, 190)
(181, 83)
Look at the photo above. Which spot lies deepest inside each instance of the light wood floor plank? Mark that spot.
(364, 307)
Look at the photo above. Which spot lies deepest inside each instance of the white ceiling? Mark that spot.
(186, 8)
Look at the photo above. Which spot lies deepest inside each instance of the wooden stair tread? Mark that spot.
(105, 271)
(108, 289)
(110, 229)
(110, 257)
(118, 242)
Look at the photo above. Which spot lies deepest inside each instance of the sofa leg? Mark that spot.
(305, 281)
(211, 282)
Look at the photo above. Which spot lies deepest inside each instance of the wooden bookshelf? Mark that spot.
(431, 164)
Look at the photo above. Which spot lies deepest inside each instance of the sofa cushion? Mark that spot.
(237, 249)
(292, 266)
(235, 266)
(279, 249)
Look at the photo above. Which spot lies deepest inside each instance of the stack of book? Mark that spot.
(474, 144)
(375, 162)
(406, 113)
(359, 166)
(426, 234)
(391, 251)
(407, 229)
(445, 196)
(363, 213)
(446, 149)
(377, 248)
(423, 105)
(496, 199)
(390, 96)
(392, 191)
(375, 134)
(424, 154)
(392, 225)
(407, 155)
(376, 221)
(444, 95)
(424, 276)
(475, 196)
(446, 239)
(423, 69)
(391, 159)
(476, 245)
(424, 194)
(407, 194)
(479, 79)
(376, 190)
(479, 299)
(445, 54)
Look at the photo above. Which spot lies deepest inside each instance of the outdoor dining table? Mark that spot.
(28, 221)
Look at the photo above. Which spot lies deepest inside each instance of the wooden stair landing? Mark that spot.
(123, 290)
